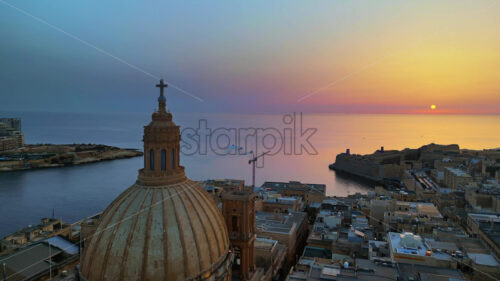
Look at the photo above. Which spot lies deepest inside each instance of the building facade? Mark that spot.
(239, 214)
(10, 134)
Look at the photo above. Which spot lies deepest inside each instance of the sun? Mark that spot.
(433, 106)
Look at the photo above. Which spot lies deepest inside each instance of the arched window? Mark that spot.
(234, 224)
(173, 158)
(163, 160)
(152, 160)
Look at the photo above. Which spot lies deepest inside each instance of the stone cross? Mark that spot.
(162, 85)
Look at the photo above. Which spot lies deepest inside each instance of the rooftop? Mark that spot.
(295, 185)
(483, 259)
(265, 243)
(282, 200)
(407, 243)
(322, 269)
(421, 209)
(458, 172)
(484, 217)
(315, 252)
(492, 230)
(33, 260)
(278, 222)
(410, 272)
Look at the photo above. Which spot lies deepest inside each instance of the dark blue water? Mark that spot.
(80, 191)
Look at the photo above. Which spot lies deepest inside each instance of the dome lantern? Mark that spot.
(161, 147)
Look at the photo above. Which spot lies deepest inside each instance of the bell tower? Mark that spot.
(161, 147)
(239, 214)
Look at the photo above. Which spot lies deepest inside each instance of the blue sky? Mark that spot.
(236, 56)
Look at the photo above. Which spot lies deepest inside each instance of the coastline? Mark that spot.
(42, 156)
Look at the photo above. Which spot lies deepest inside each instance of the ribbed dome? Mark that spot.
(172, 232)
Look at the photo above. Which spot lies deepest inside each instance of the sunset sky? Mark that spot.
(252, 57)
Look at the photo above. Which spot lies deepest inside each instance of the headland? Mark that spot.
(387, 167)
(37, 156)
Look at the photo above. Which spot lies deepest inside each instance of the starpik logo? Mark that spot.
(290, 139)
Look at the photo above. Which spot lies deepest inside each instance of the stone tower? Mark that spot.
(239, 213)
(161, 147)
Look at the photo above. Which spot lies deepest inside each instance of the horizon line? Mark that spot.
(410, 112)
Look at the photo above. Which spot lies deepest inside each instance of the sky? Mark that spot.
(251, 56)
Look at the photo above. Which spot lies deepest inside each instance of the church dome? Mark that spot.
(172, 232)
(163, 227)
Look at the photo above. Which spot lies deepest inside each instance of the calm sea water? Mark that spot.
(79, 191)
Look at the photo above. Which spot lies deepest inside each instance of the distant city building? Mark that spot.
(393, 215)
(310, 193)
(239, 213)
(410, 248)
(412, 272)
(339, 229)
(48, 227)
(388, 166)
(40, 260)
(225, 184)
(271, 256)
(487, 228)
(13, 123)
(282, 204)
(478, 257)
(290, 229)
(484, 196)
(456, 178)
(11, 136)
(419, 217)
(218, 186)
(317, 269)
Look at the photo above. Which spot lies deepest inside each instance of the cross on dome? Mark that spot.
(161, 99)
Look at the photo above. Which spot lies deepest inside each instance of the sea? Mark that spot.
(215, 146)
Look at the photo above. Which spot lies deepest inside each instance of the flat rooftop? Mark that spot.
(407, 243)
(410, 272)
(485, 217)
(281, 200)
(279, 222)
(483, 259)
(420, 209)
(458, 172)
(295, 185)
(321, 269)
(265, 243)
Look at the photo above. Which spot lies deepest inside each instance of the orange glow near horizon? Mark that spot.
(453, 62)
(459, 78)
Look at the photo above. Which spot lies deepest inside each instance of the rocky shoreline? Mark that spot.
(40, 156)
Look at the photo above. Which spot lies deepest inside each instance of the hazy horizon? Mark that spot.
(179, 111)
